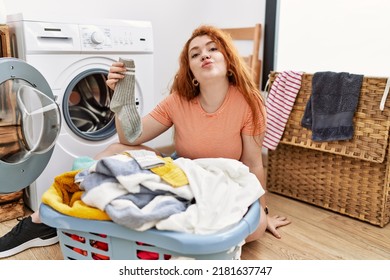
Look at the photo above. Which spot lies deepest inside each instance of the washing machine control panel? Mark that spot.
(116, 38)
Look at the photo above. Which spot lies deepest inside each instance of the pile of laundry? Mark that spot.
(140, 190)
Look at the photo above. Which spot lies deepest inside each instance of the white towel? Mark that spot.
(223, 190)
(279, 104)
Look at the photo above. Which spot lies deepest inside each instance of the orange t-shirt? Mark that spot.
(198, 134)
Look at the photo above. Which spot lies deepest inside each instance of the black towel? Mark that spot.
(330, 109)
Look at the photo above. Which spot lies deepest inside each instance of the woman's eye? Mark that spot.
(194, 55)
(213, 49)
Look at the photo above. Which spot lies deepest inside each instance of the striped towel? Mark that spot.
(279, 103)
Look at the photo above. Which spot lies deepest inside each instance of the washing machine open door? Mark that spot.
(30, 123)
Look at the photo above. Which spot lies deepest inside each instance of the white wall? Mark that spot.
(172, 20)
(334, 35)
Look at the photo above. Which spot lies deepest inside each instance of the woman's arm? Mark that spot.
(150, 127)
(252, 157)
(150, 130)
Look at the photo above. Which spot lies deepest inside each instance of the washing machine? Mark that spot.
(74, 57)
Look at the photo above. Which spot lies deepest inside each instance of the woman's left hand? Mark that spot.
(274, 222)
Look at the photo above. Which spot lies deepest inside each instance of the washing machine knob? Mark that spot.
(97, 37)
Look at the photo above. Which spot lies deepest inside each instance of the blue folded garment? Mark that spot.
(330, 109)
(83, 162)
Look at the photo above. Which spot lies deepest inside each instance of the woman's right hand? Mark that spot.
(115, 74)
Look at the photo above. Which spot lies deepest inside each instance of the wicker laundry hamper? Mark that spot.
(349, 177)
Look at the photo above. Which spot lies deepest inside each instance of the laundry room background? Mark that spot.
(172, 21)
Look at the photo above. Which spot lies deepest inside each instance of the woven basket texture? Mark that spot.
(370, 123)
(348, 177)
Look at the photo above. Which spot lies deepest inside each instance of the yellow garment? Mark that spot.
(64, 196)
(171, 173)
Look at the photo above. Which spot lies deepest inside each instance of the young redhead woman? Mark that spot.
(215, 108)
(216, 111)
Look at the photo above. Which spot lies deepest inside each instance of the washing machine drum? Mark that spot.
(30, 123)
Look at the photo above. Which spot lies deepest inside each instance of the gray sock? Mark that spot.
(123, 103)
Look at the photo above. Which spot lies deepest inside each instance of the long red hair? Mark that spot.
(239, 74)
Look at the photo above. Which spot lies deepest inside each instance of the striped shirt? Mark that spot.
(279, 104)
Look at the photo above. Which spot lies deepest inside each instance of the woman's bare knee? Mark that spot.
(117, 148)
(111, 150)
